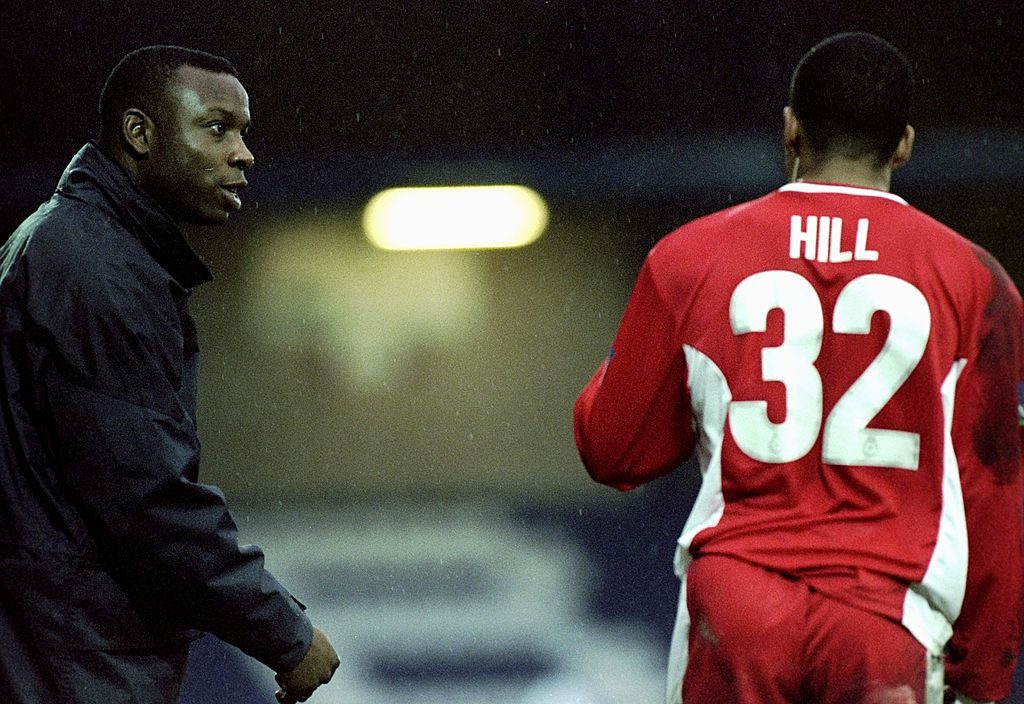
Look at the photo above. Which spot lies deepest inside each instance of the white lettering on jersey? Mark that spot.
(861, 252)
(822, 240)
(846, 440)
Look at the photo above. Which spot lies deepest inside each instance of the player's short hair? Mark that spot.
(140, 79)
(852, 93)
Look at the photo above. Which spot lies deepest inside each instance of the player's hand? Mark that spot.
(315, 669)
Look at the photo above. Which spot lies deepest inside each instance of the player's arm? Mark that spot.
(632, 420)
(987, 438)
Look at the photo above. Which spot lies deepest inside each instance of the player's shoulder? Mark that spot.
(725, 217)
(961, 255)
(713, 231)
(967, 270)
(1003, 294)
(916, 221)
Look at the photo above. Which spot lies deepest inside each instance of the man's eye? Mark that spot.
(218, 128)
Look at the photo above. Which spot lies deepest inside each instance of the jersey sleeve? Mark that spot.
(633, 421)
(987, 437)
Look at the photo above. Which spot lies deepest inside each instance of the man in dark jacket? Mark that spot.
(112, 556)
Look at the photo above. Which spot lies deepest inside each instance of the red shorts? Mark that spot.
(756, 637)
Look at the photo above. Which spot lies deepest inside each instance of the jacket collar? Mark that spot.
(92, 169)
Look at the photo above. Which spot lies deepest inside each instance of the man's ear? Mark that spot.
(137, 131)
(790, 129)
(902, 154)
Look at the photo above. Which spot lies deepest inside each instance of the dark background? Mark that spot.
(612, 102)
(502, 78)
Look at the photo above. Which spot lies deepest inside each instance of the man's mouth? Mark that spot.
(233, 191)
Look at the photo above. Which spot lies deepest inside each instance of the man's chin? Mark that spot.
(212, 218)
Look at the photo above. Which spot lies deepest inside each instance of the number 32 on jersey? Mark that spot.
(846, 439)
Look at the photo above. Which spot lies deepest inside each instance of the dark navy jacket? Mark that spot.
(107, 540)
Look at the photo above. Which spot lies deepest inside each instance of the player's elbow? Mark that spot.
(626, 468)
(608, 468)
(618, 484)
(614, 458)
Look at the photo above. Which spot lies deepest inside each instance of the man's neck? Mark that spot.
(845, 171)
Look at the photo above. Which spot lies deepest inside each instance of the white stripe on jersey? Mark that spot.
(710, 397)
(679, 650)
(802, 187)
(931, 607)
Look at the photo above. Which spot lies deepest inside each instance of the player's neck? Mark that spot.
(850, 172)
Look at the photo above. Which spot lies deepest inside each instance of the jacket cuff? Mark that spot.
(290, 659)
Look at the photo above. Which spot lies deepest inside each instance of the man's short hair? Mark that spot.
(852, 93)
(140, 79)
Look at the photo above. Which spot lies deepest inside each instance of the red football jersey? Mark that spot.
(846, 369)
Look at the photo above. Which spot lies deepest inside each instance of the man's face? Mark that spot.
(197, 158)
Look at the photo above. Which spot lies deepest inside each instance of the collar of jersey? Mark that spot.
(807, 187)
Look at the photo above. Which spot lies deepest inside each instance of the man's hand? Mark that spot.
(315, 669)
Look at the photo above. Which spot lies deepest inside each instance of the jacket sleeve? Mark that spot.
(128, 455)
(987, 437)
(632, 421)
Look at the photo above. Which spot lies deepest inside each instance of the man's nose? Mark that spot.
(241, 157)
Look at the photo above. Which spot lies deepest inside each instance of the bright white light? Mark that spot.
(455, 217)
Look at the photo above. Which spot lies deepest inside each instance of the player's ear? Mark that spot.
(790, 129)
(137, 131)
(903, 149)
